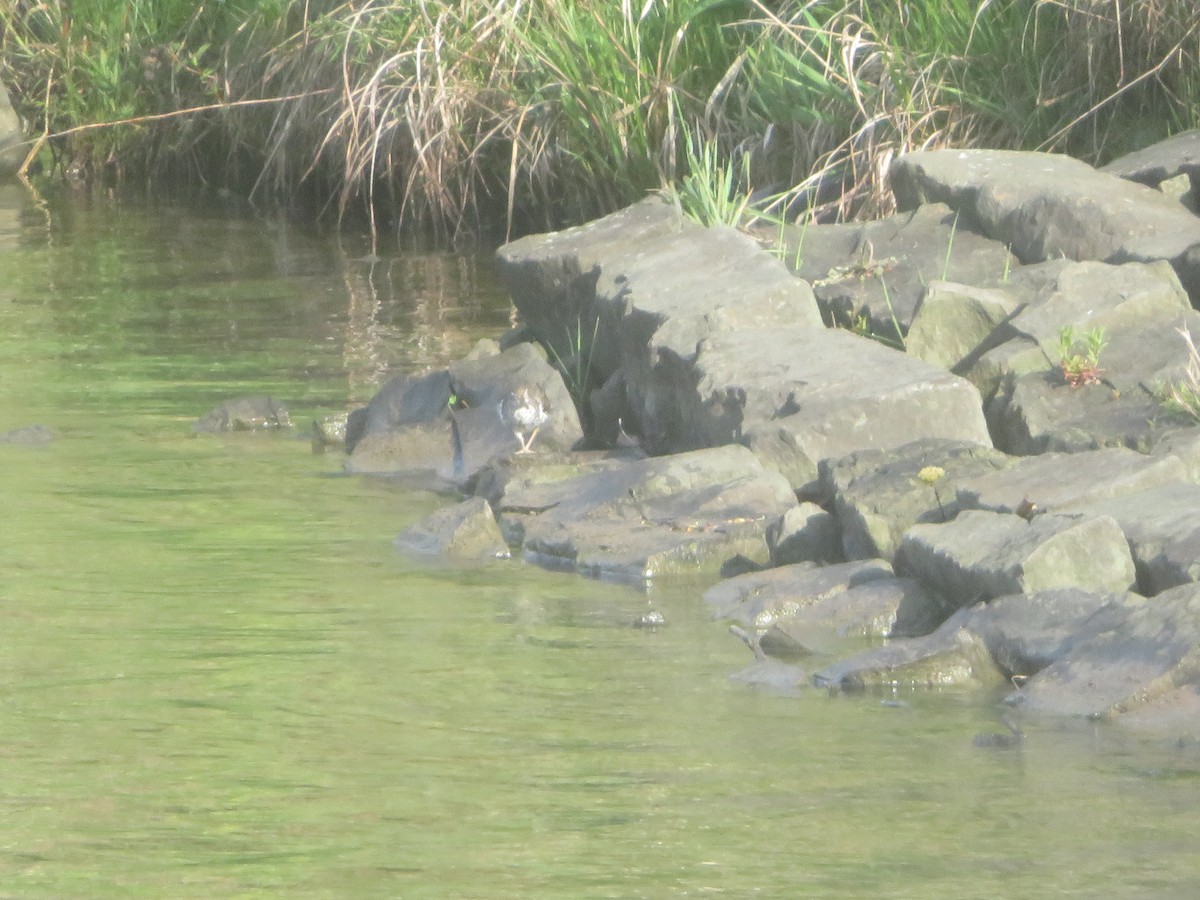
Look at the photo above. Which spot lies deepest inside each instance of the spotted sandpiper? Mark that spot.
(525, 410)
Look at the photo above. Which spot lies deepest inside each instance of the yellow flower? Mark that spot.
(930, 474)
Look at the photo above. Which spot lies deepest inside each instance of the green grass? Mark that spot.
(466, 114)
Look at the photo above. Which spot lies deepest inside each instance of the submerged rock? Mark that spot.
(244, 414)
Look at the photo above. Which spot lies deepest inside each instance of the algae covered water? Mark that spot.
(218, 679)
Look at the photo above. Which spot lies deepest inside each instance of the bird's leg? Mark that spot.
(529, 440)
(524, 442)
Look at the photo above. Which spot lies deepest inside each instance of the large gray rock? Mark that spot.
(763, 598)
(689, 514)
(1039, 412)
(1027, 632)
(12, 148)
(409, 427)
(955, 324)
(873, 274)
(799, 395)
(1146, 651)
(878, 494)
(949, 657)
(1044, 205)
(638, 291)
(1162, 526)
(981, 555)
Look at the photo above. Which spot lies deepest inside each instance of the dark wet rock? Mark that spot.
(879, 494)
(403, 400)
(873, 274)
(760, 599)
(1027, 632)
(949, 657)
(1045, 205)
(1148, 650)
(244, 414)
(801, 396)
(467, 530)
(28, 436)
(1162, 526)
(1010, 739)
(981, 555)
(805, 533)
(449, 422)
(1056, 482)
(687, 514)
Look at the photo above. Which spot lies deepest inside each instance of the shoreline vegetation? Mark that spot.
(486, 119)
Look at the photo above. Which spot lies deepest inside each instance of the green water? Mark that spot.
(217, 678)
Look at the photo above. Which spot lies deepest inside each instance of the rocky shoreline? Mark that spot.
(870, 431)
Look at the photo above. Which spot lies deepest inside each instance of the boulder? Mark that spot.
(949, 657)
(882, 608)
(805, 533)
(1045, 205)
(760, 599)
(637, 291)
(1163, 161)
(1027, 632)
(871, 275)
(448, 422)
(1162, 526)
(799, 395)
(466, 531)
(955, 324)
(1182, 444)
(879, 494)
(1146, 651)
(687, 514)
(981, 555)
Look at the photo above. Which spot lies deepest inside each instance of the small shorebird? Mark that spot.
(525, 411)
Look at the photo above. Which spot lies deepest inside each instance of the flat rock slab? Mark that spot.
(800, 395)
(1150, 649)
(760, 599)
(1062, 481)
(878, 495)
(1045, 205)
(981, 555)
(950, 657)
(1162, 526)
(465, 531)
(688, 514)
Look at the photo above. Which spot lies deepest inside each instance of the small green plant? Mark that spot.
(1183, 397)
(712, 192)
(1080, 368)
(576, 366)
